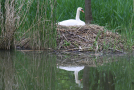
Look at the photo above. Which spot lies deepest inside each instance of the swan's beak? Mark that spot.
(82, 10)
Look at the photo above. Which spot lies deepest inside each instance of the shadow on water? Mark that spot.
(62, 71)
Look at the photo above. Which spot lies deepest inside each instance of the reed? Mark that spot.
(34, 19)
(37, 20)
(7, 24)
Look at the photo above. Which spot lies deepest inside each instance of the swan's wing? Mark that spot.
(81, 23)
(70, 22)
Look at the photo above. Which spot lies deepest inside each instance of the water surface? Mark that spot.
(44, 70)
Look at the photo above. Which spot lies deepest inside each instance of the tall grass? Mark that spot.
(7, 24)
(32, 19)
(112, 12)
(37, 20)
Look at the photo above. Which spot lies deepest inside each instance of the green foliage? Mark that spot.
(66, 43)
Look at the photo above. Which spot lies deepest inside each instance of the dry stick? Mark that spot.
(79, 28)
(66, 38)
(63, 61)
(83, 38)
(116, 50)
(96, 47)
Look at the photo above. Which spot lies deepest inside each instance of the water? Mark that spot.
(44, 70)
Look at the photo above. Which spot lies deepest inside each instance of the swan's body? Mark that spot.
(73, 22)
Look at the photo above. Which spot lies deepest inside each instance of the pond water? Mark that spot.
(45, 70)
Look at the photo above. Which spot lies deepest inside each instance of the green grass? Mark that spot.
(112, 12)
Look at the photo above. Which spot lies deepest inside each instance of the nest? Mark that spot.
(88, 37)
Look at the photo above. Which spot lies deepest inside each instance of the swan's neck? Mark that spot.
(77, 15)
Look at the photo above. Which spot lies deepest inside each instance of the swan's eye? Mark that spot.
(82, 10)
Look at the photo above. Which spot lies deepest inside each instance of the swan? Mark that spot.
(74, 22)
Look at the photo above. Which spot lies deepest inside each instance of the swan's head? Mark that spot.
(80, 9)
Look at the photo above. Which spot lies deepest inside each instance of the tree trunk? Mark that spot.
(88, 12)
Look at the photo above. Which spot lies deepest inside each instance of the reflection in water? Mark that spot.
(113, 72)
(92, 78)
(95, 80)
(27, 71)
(38, 71)
(76, 70)
(7, 71)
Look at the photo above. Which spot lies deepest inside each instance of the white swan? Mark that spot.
(73, 22)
